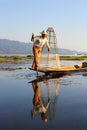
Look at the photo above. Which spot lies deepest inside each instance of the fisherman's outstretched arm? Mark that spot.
(34, 38)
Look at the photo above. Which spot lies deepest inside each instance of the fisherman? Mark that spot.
(38, 43)
(39, 107)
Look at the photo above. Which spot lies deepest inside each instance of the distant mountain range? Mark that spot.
(16, 47)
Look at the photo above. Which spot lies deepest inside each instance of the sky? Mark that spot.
(20, 18)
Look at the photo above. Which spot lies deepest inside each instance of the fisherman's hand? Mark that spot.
(48, 49)
(32, 37)
(48, 99)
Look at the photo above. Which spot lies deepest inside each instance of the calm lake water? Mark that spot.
(67, 108)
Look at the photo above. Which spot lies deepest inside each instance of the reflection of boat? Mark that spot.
(49, 90)
(46, 77)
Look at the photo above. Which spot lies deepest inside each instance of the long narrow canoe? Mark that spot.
(61, 70)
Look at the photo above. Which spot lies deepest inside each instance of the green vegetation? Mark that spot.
(26, 59)
(12, 59)
(73, 57)
(30, 56)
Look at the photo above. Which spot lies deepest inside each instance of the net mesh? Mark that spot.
(50, 89)
(50, 59)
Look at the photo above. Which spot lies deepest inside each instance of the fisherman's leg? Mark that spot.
(37, 98)
(35, 55)
(33, 64)
(39, 55)
(36, 91)
(35, 86)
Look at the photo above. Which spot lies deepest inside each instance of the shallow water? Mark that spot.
(67, 108)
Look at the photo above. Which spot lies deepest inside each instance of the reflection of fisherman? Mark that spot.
(39, 108)
(38, 43)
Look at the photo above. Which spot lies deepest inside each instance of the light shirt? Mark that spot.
(39, 41)
(41, 108)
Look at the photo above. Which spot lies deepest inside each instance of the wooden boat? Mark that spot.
(62, 70)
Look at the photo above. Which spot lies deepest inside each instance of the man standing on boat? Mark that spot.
(38, 43)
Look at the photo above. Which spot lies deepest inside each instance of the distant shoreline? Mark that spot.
(14, 59)
(25, 59)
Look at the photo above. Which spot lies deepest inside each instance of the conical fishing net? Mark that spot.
(50, 59)
(50, 89)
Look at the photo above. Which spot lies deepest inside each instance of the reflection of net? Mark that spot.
(50, 89)
(50, 59)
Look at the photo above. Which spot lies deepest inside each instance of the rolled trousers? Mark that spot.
(37, 55)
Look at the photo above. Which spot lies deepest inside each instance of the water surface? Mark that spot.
(67, 108)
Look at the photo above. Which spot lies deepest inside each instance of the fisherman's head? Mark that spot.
(44, 117)
(44, 33)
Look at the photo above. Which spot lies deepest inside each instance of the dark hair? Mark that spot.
(44, 117)
(43, 35)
